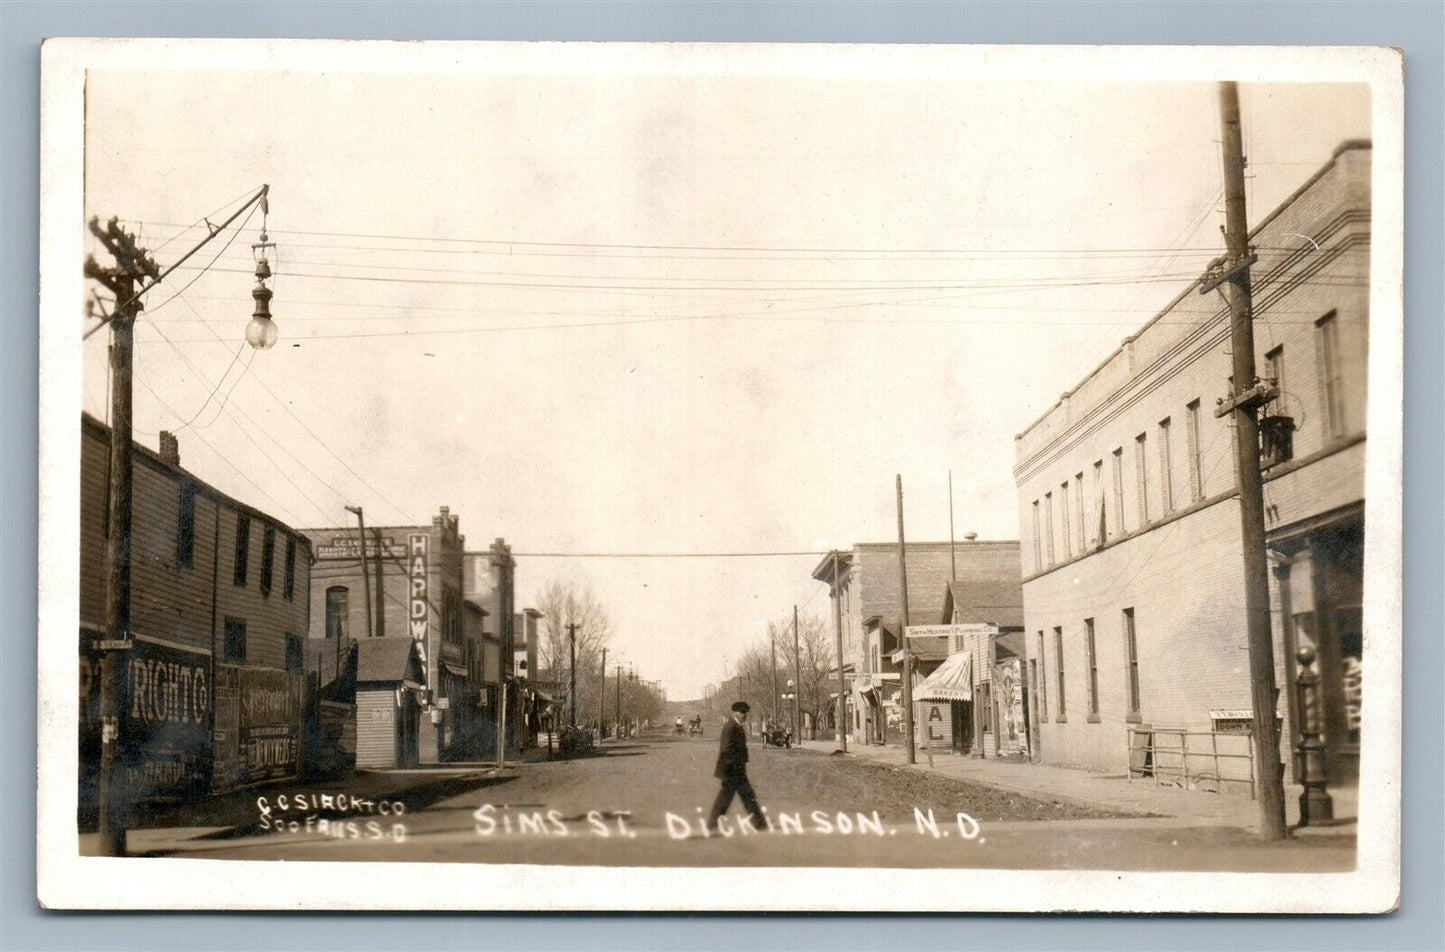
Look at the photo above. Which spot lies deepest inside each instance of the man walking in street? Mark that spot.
(732, 770)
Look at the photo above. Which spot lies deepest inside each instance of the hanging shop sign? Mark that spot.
(418, 613)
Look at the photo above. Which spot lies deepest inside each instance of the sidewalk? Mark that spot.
(1105, 791)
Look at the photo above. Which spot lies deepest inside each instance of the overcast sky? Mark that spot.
(659, 314)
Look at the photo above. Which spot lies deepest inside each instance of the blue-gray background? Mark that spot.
(1417, 27)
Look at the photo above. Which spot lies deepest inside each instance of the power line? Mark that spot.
(312, 433)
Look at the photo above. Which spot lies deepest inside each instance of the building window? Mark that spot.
(268, 558)
(186, 526)
(288, 579)
(1079, 505)
(1093, 659)
(1274, 361)
(1141, 475)
(337, 608)
(1196, 467)
(235, 640)
(1043, 681)
(1166, 469)
(1059, 670)
(1049, 526)
(1327, 355)
(1131, 654)
(1038, 542)
(1101, 520)
(1119, 490)
(293, 654)
(243, 548)
(1064, 519)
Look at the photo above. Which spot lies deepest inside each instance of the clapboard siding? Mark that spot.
(187, 604)
(375, 727)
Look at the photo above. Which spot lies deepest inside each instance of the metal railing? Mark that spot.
(1167, 755)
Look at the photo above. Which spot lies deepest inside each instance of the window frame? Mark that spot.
(186, 525)
(1118, 467)
(234, 651)
(1327, 357)
(268, 558)
(295, 648)
(1131, 664)
(343, 614)
(1049, 526)
(288, 572)
(1043, 682)
(1064, 519)
(1141, 475)
(1166, 468)
(1063, 715)
(243, 550)
(1091, 650)
(1196, 463)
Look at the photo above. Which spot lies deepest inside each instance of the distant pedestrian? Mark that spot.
(732, 770)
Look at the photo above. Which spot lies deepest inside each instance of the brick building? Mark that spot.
(414, 579)
(488, 582)
(218, 621)
(869, 592)
(1131, 562)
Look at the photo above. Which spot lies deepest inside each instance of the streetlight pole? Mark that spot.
(798, 678)
(133, 264)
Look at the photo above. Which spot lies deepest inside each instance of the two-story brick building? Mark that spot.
(868, 589)
(414, 577)
(1131, 557)
(218, 621)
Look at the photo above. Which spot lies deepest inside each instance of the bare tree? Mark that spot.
(813, 674)
(569, 602)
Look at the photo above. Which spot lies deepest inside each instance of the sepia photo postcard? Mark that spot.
(763, 478)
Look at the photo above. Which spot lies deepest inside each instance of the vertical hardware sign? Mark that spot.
(418, 612)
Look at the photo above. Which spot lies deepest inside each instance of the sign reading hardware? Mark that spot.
(418, 620)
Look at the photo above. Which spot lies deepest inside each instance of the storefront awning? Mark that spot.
(456, 669)
(953, 681)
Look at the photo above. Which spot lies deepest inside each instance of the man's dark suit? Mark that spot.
(732, 770)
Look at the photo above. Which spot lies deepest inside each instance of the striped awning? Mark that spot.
(953, 681)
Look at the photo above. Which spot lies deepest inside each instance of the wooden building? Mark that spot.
(389, 684)
(219, 619)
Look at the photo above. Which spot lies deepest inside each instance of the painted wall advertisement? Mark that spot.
(270, 723)
(167, 719)
(418, 620)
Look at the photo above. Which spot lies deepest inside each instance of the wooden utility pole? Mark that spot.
(773, 652)
(131, 264)
(838, 651)
(797, 680)
(602, 699)
(572, 674)
(1242, 404)
(903, 632)
(365, 578)
(618, 710)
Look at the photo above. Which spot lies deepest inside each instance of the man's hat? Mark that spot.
(741, 707)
